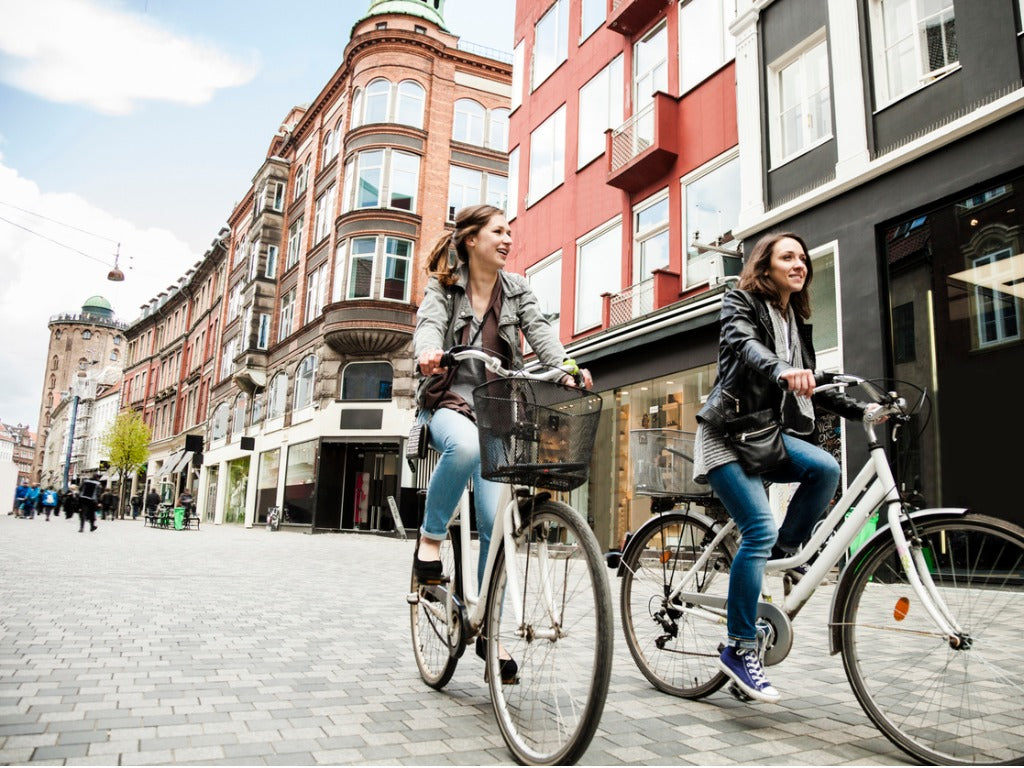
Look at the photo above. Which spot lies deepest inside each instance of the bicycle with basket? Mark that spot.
(544, 596)
(926, 613)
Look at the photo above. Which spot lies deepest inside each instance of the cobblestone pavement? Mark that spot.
(134, 645)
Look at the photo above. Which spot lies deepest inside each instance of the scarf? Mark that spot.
(796, 411)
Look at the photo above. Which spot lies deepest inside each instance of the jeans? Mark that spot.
(746, 500)
(455, 437)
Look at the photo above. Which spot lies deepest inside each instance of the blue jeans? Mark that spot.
(746, 500)
(455, 437)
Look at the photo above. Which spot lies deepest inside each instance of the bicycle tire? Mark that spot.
(936, 703)
(677, 652)
(430, 624)
(550, 715)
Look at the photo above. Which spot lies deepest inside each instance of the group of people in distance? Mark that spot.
(31, 501)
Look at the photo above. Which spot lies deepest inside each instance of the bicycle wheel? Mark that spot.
(677, 651)
(434, 632)
(555, 582)
(955, 706)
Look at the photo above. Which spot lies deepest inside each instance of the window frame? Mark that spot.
(295, 235)
(286, 317)
(797, 56)
(379, 259)
(599, 232)
(315, 302)
(485, 186)
(687, 181)
(594, 4)
(277, 393)
(709, 17)
(305, 382)
(555, 123)
(386, 187)
(609, 84)
(641, 237)
(557, 14)
(349, 366)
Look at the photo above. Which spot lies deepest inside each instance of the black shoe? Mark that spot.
(93, 528)
(508, 667)
(427, 571)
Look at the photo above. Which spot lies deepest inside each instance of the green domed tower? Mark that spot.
(98, 306)
(431, 10)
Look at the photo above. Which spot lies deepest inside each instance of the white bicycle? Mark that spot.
(927, 614)
(545, 597)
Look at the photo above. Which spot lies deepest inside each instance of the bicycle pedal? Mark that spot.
(738, 694)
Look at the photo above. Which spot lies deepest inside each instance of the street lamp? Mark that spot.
(116, 275)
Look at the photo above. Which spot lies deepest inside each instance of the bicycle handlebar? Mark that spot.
(891, 403)
(493, 364)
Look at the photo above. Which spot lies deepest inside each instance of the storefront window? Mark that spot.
(266, 489)
(238, 484)
(299, 483)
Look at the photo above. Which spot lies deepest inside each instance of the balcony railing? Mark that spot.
(632, 137)
(637, 300)
(644, 147)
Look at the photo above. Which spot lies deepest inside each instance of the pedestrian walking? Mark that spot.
(108, 501)
(152, 501)
(136, 505)
(28, 504)
(49, 502)
(84, 506)
(19, 497)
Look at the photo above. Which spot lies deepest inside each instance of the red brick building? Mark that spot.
(624, 166)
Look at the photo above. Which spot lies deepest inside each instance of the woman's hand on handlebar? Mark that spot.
(582, 378)
(430, 362)
(800, 381)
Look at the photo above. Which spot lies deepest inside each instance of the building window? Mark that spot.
(386, 179)
(913, 42)
(86, 335)
(238, 414)
(384, 102)
(301, 180)
(550, 42)
(294, 245)
(357, 108)
(600, 109)
(263, 331)
(277, 394)
(468, 125)
(55, 363)
(518, 62)
(366, 381)
(378, 94)
(315, 284)
(271, 268)
(650, 75)
(497, 129)
(324, 214)
(273, 196)
(711, 210)
(114, 355)
(705, 42)
(227, 357)
(410, 99)
(395, 257)
(304, 382)
(513, 184)
(469, 187)
(547, 155)
(592, 16)
(650, 237)
(328, 148)
(994, 308)
(598, 271)
(800, 100)
(234, 301)
(257, 409)
(545, 279)
(254, 260)
(287, 315)
(117, 340)
(219, 428)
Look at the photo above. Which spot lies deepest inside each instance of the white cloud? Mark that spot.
(43, 279)
(75, 51)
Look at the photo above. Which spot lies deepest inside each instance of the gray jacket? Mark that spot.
(444, 312)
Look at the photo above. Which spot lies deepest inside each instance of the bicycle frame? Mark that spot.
(874, 486)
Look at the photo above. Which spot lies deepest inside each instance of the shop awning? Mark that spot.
(177, 462)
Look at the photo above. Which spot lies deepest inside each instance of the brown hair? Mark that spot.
(468, 222)
(754, 275)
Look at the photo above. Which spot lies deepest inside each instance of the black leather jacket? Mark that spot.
(749, 369)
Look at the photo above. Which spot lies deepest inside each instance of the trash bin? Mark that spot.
(179, 518)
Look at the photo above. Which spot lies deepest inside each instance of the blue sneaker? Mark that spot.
(744, 668)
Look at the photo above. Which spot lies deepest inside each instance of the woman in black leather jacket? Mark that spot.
(765, 367)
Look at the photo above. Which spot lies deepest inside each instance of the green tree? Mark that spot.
(127, 443)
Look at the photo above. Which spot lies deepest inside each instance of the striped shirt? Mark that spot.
(710, 451)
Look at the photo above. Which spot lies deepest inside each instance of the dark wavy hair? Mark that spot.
(468, 222)
(754, 275)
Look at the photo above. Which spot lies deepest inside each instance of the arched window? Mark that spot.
(54, 363)
(86, 334)
(304, 382)
(276, 394)
(497, 130)
(219, 428)
(238, 414)
(117, 340)
(469, 122)
(366, 381)
(328, 147)
(114, 355)
(378, 94)
(57, 334)
(409, 106)
(257, 409)
(53, 381)
(301, 179)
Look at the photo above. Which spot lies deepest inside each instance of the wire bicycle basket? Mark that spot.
(663, 462)
(536, 433)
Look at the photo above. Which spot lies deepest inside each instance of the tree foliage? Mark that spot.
(127, 444)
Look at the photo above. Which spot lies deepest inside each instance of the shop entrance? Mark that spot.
(353, 486)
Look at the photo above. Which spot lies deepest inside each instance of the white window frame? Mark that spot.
(385, 257)
(704, 28)
(601, 106)
(497, 129)
(372, 256)
(263, 331)
(403, 96)
(884, 90)
(614, 285)
(597, 7)
(324, 215)
(490, 188)
(277, 396)
(270, 270)
(715, 164)
(512, 209)
(469, 123)
(238, 428)
(379, 259)
(254, 259)
(294, 244)
(542, 275)
(640, 237)
(388, 170)
(518, 63)
(1002, 305)
(235, 301)
(798, 60)
(315, 284)
(550, 135)
(301, 179)
(287, 316)
(305, 380)
(550, 31)
(328, 145)
(219, 422)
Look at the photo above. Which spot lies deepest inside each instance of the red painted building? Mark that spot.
(624, 194)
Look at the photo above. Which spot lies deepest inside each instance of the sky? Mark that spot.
(129, 129)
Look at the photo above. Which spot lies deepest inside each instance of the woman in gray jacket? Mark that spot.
(471, 302)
